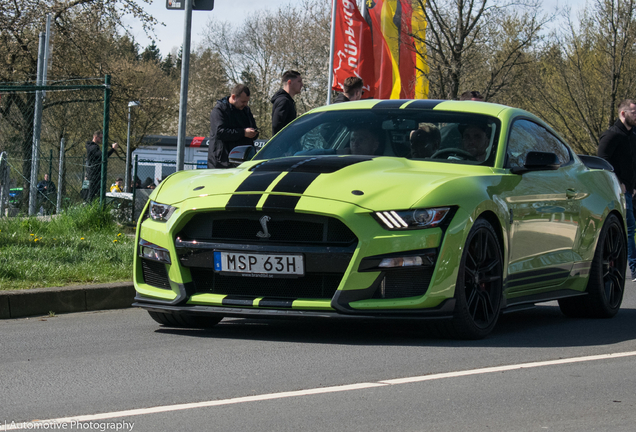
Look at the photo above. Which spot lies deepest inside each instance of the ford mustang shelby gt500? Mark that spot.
(400, 209)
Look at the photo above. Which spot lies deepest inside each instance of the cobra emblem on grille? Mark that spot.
(264, 233)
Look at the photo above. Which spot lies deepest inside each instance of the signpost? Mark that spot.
(196, 4)
(188, 6)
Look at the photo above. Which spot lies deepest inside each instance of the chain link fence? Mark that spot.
(71, 112)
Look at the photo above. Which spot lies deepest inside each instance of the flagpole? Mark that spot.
(332, 44)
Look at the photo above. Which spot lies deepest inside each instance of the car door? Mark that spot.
(544, 211)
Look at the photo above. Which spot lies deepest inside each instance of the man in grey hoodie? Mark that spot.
(283, 105)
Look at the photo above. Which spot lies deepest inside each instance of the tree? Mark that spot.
(151, 53)
(477, 44)
(583, 74)
(85, 44)
(207, 84)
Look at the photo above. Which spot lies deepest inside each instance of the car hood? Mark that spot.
(374, 183)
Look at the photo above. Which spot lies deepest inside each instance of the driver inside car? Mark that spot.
(475, 139)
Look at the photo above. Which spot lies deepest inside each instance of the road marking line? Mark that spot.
(307, 392)
(507, 368)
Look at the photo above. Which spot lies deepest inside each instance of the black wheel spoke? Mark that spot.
(490, 279)
(490, 267)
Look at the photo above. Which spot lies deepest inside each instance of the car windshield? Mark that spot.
(449, 137)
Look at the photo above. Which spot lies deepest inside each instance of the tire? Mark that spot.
(185, 320)
(479, 287)
(606, 284)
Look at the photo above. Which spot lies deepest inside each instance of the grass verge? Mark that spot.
(82, 245)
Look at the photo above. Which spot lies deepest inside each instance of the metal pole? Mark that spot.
(185, 71)
(60, 179)
(102, 189)
(4, 182)
(134, 189)
(127, 173)
(332, 45)
(128, 150)
(46, 50)
(37, 126)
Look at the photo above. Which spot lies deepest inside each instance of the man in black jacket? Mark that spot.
(352, 87)
(283, 105)
(231, 125)
(618, 146)
(94, 164)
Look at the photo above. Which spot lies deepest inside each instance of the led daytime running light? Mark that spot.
(412, 219)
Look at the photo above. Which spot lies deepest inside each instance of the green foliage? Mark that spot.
(83, 245)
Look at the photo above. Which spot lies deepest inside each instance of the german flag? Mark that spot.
(399, 71)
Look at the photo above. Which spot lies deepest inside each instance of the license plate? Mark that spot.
(259, 265)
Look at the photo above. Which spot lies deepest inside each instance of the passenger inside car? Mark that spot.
(424, 141)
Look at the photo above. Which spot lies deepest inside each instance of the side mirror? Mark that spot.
(241, 154)
(538, 161)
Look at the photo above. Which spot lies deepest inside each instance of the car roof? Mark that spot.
(487, 108)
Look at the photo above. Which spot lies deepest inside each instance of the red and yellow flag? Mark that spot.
(353, 47)
(381, 46)
(399, 71)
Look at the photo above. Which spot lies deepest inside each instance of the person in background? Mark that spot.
(352, 87)
(46, 194)
(118, 186)
(94, 164)
(618, 146)
(46, 186)
(231, 125)
(283, 105)
(472, 95)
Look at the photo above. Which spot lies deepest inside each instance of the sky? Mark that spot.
(170, 36)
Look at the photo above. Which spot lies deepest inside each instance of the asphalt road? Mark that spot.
(244, 375)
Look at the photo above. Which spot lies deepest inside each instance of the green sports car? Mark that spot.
(448, 211)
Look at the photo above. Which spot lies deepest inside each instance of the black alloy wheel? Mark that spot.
(479, 284)
(606, 283)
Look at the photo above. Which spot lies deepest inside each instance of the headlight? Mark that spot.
(412, 219)
(160, 212)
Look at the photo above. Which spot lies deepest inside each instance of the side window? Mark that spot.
(527, 136)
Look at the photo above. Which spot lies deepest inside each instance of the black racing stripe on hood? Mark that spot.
(275, 302)
(424, 104)
(295, 182)
(243, 202)
(257, 182)
(316, 164)
(390, 104)
(281, 202)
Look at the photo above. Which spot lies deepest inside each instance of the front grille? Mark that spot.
(282, 228)
(155, 273)
(404, 283)
(312, 285)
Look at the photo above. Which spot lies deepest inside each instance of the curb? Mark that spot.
(77, 298)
